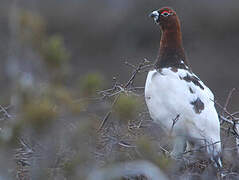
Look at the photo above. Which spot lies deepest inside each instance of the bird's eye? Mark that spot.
(165, 14)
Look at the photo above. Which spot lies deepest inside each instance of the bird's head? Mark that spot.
(164, 17)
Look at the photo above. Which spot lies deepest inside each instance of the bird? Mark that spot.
(176, 98)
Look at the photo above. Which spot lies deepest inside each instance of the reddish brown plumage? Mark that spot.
(171, 51)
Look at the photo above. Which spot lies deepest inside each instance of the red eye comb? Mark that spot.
(165, 11)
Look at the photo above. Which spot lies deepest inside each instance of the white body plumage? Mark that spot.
(169, 94)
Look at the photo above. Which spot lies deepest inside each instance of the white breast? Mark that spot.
(168, 95)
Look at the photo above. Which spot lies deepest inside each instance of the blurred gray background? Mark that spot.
(55, 53)
(101, 35)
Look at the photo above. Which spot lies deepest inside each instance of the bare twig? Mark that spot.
(233, 119)
(229, 98)
(126, 145)
(5, 112)
(109, 113)
(130, 65)
(117, 89)
(201, 147)
(230, 118)
(130, 81)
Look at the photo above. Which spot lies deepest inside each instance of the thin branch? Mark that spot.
(109, 113)
(130, 65)
(229, 98)
(126, 145)
(201, 147)
(5, 112)
(122, 88)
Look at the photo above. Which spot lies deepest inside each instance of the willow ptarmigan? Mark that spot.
(176, 98)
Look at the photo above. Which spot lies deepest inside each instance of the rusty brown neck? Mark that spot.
(171, 52)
